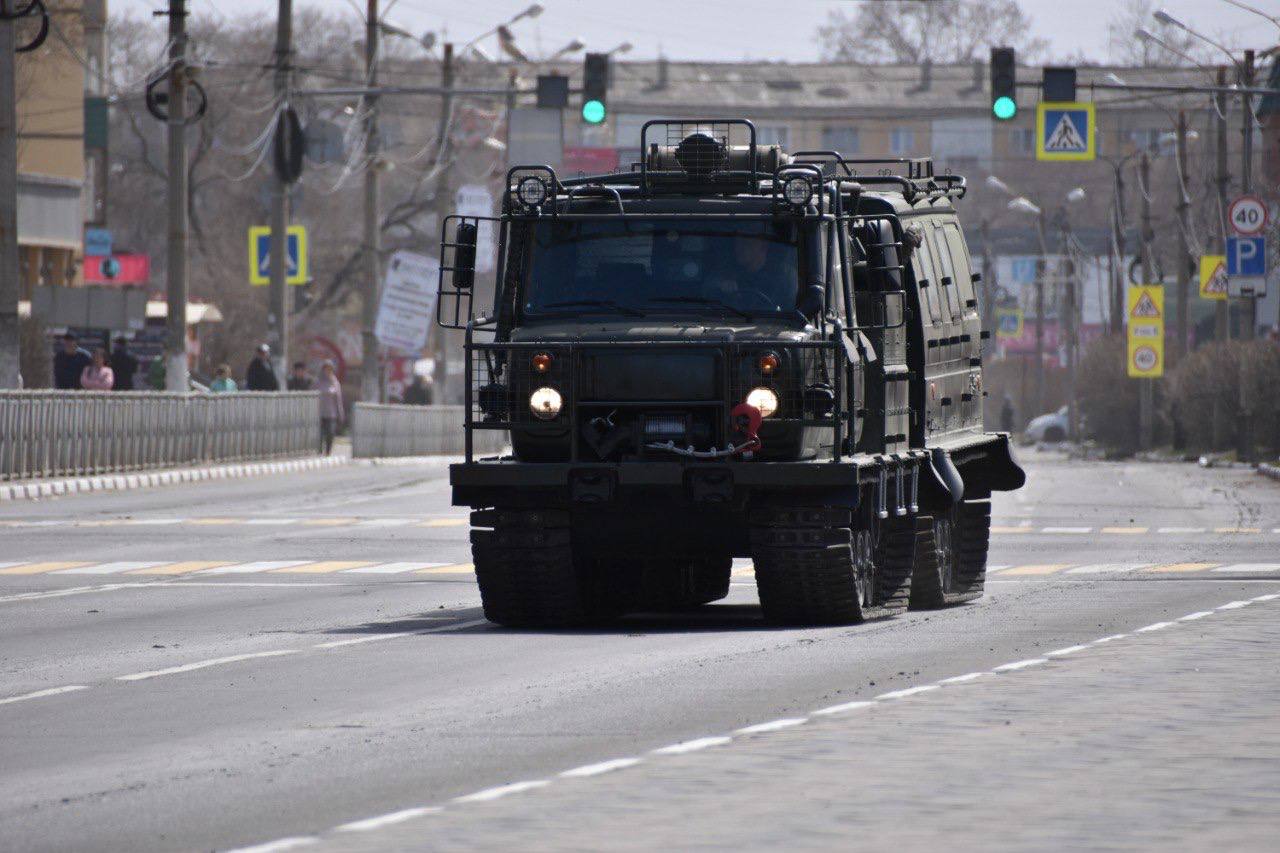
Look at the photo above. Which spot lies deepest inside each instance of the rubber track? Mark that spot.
(971, 534)
(895, 564)
(807, 586)
(526, 571)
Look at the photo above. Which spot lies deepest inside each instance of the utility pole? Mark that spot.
(371, 368)
(1043, 271)
(1146, 387)
(1117, 264)
(1246, 174)
(175, 344)
(10, 347)
(1222, 307)
(443, 201)
(1184, 242)
(278, 313)
(1068, 329)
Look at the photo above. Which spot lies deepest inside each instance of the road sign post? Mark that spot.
(1066, 130)
(1146, 331)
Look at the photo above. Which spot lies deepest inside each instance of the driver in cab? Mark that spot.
(753, 278)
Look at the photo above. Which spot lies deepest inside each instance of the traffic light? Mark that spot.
(1004, 84)
(595, 87)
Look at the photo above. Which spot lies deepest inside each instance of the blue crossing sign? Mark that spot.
(1066, 130)
(1246, 256)
(295, 253)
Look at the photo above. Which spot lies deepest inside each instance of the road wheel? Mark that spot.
(527, 571)
(678, 584)
(951, 559)
(811, 568)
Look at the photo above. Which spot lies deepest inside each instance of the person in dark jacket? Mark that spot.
(69, 363)
(260, 376)
(124, 365)
(298, 379)
(419, 393)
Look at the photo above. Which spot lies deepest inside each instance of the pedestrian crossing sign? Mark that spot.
(1066, 130)
(296, 271)
(1213, 276)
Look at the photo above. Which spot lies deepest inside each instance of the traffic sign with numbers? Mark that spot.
(1248, 215)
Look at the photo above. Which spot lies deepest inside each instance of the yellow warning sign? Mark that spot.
(1213, 276)
(1146, 331)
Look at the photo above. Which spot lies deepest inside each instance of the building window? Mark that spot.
(1022, 140)
(902, 142)
(1145, 138)
(771, 134)
(842, 139)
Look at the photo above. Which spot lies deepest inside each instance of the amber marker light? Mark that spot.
(542, 362)
(768, 363)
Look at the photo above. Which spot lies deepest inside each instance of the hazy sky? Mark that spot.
(730, 29)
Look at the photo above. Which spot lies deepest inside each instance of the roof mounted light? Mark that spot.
(532, 191)
(798, 191)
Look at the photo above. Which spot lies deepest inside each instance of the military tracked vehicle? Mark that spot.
(725, 351)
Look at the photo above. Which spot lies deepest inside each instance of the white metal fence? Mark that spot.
(384, 430)
(60, 433)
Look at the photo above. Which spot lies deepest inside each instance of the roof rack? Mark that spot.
(919, 180)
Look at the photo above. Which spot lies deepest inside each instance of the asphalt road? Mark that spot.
(300, 660)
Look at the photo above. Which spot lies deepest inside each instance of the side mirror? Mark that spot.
(464, 256)
(812, 301)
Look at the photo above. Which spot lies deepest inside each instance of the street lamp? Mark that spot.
(625, 47)
(1169, 20)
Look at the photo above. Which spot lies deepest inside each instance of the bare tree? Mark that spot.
(941, 31)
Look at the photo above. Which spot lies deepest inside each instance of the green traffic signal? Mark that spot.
(593, 112)
(1004, 108)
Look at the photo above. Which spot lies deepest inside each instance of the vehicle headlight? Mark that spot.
(763, 399)
(797, 191)
(531, 191)
(545, 403)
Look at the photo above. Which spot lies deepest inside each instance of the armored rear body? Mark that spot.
(726, 352)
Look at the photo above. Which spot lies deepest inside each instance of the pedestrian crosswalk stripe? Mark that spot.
(327, 522)
(1236, 530)
(445, 522)
(1182, 567)
(183, 568)
(156, 521)
(272, 522)
(1249, 567)
(324, 567)
(384, 522)
(1039, 569)
(392, 568)
(109, 568)
(999, 529)
(1181, 530)
(215, 521)
(1067, 529)
(1125, 530)
(1107, 568)
(39, 568)
(454, 569)
(261, 566)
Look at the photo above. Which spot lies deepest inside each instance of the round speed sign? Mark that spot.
(1248, 215)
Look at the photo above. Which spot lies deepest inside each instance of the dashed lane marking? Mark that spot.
(1249, 568)
(109, 568)
(454, 569)
(1072, 530)
(1107, 568)
(1125, 531)
(588, 770)
(386, 819)
(260, 566)
(40, 694)
(204, 664)
(1181, 530)
(445, 522)
(324, 567)
(327, 522)
(1237, 530)
(1035, 569)
(771, 726)
(999, 529)
(1177, 568)
(183, 568)
(393, 568)
(40, 568)
(490, 794)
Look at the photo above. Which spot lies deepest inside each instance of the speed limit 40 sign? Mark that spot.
(1248, 215)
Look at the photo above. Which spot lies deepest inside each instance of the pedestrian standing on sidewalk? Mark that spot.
(123, 364)
(260, 376)
(69, 363)
(331, 412)
(298, 379)
(98, 376)
(222, 382)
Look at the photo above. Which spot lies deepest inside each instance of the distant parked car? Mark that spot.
(1050, 427)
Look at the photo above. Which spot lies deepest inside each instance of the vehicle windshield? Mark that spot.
(736, 268)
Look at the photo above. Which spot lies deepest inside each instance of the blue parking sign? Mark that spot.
(1246, 256)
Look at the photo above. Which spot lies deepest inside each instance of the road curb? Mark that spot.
(147, 479)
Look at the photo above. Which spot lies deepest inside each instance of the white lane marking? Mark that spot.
(1019, 664)
(1234, 605)
(1069, 650)
(691, 745)
(1181, 530)
(840, 709)
(107, 568)
(1066, 529)
(489, 794)
(249, 568)
(385, 522)
(152, 521)
(278, 846)
(771, 726)
(1112, 638)
(602, 767)
(1107, 568)
(1155, 626)
(73, 590)
(356, 641)
(203, 664)
(961, 679)
(40, 694)
(1248, 568)
(219, 584)
(1269, 597)
(392, 568)
(386, 819)
(271, 522)
(910, 691)
(999, 568)
(1199, 614)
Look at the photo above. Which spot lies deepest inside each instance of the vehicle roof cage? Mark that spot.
(914, 175)
(712, 151)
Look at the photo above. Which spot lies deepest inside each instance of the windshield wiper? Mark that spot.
(597, 303)
(704, 300)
